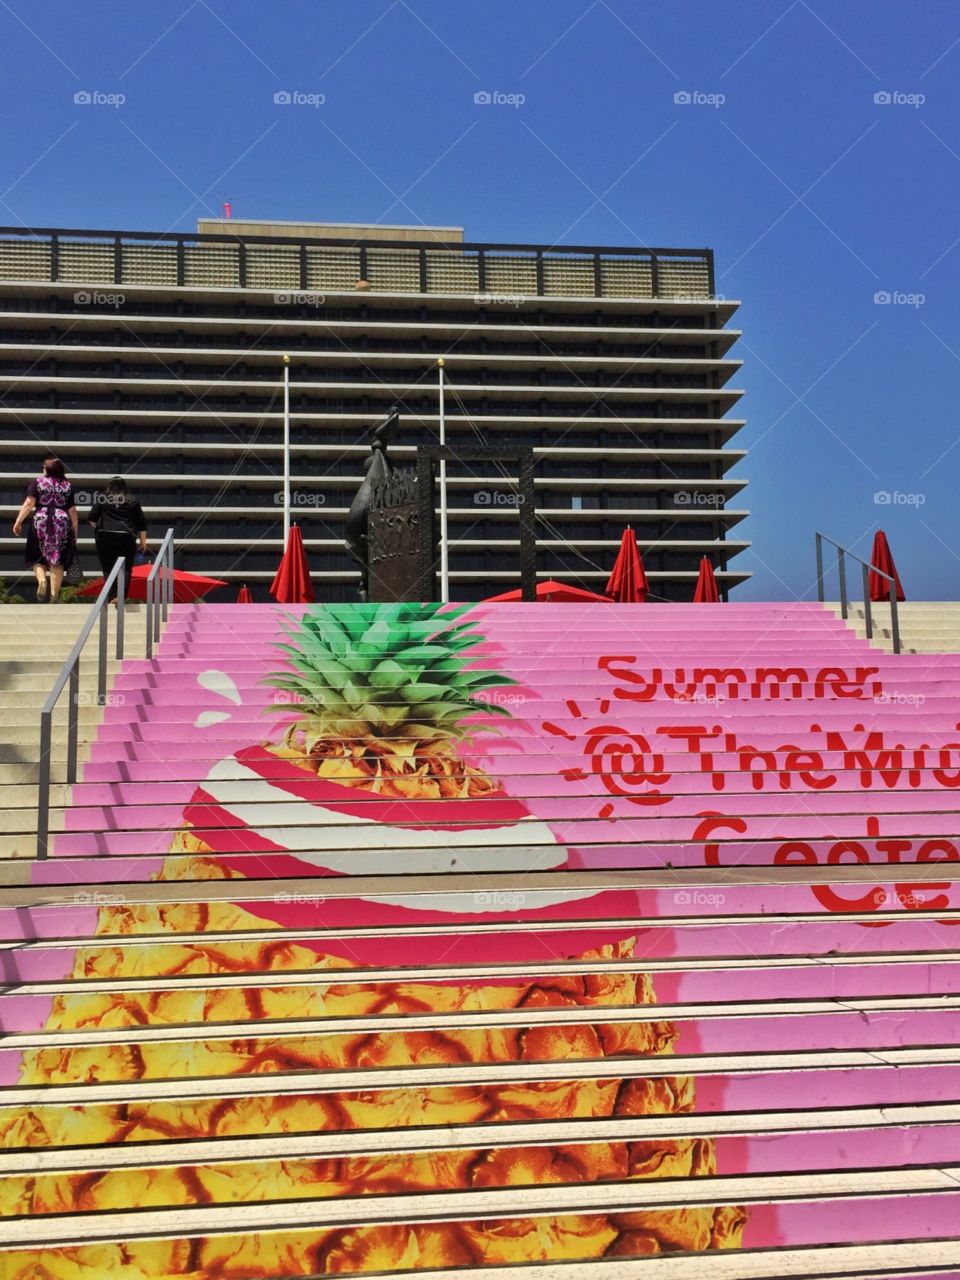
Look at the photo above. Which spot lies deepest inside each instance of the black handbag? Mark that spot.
(73, 574)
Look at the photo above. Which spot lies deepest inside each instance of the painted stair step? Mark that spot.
(136, 968)
(763, 716)
(367, 848)
(856, 751)
(866, 1206)
(162, 791)
(565, 1154)
(484, 922)
(271, 997)
(852, 1262)
(537, 774)
(892, 691)
(281, 810)
(49, 1116)
(221, 998)
(737, 944)
(835, 714)
(336, 1044)
(883, 1136)
(887, 855)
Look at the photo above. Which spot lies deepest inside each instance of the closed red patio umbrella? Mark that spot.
(628, 582)
(292, 583)
(244, 596)
(558, 592)
(707, 591)
(187, 587)
(882, 559)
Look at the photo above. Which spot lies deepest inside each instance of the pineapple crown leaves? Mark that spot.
(389, 670)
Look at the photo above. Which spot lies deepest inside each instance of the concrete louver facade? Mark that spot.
(159, 358)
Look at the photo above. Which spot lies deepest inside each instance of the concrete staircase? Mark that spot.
(926, 626)
(35, 641)
(681, 997)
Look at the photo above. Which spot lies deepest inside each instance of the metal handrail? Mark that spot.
(159, 591)
(866, 569)
(71, 671)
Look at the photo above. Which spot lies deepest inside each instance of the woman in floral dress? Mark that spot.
(52, 535)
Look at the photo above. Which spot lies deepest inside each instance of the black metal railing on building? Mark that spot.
(493, 274)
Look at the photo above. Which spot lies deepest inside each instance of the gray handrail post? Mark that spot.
(43, 784)
(73, 720)
(894, 615)
(842, 573)
(159, 591)
(121, 605)
(102, 660)
(867, 611)
(149, 649)
(820, 590)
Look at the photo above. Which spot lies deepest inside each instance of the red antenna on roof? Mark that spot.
(227, 209)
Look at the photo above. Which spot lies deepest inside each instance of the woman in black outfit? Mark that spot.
(119, 524)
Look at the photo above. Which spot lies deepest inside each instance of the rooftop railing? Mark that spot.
(491, 274)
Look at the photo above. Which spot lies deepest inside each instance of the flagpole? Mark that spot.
(444, 549)
(286, 451)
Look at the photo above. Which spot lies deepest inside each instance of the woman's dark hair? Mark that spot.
(117, 488)
(52, 466)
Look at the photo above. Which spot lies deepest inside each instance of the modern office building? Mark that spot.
(159, 357)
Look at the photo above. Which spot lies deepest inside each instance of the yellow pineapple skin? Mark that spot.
(268, 1255)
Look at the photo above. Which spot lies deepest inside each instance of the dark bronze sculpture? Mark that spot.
(377, 471)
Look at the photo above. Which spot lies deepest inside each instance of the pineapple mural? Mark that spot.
(384, 697)
(383, 707)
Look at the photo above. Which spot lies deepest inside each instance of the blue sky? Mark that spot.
(816, 197)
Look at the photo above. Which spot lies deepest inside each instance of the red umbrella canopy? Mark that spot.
(244, 596)
(707, 591)
(558, 592)
(628, 582)
(292, 584)
(187, 587)
(882, 559)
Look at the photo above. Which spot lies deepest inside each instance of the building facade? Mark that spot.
(159, 357)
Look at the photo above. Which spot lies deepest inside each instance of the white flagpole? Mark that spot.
(286, 451)
(444, 550)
